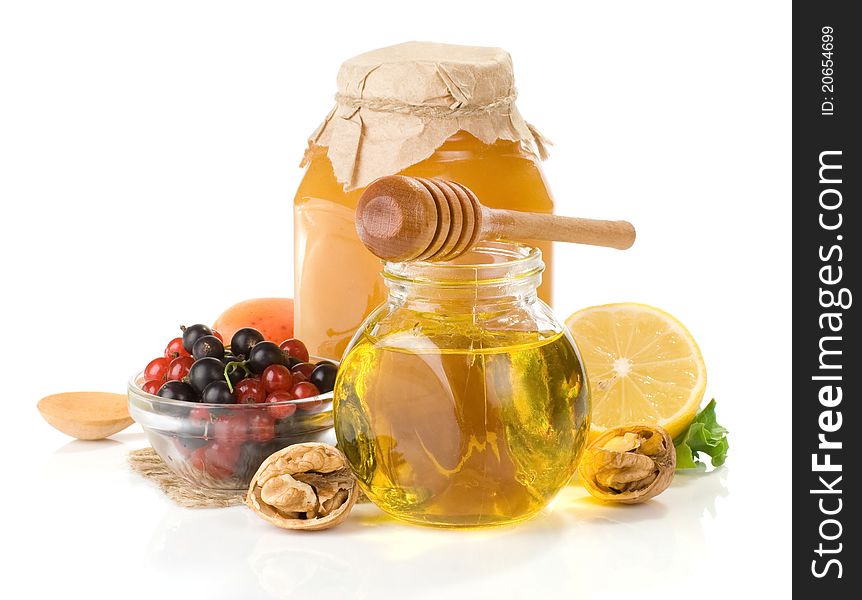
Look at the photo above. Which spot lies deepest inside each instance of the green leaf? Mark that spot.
(703, 435)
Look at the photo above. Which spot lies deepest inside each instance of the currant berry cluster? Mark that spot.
(227, 442)
(198, 367)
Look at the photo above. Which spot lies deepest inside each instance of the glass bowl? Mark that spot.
(221, 446)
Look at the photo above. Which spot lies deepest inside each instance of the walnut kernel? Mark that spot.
(305, 486)
(629, 464)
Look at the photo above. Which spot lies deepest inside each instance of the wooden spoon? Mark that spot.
(86, 415)
(403, 218)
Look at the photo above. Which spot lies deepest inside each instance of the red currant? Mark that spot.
(282, 411)
(249, 391)
(221, 458)
(261, 427)
(231, 427)
(277, 378)
(216, 459)
(295, 348)
(157, 369)
(179, 368)
(306, 390)
(199, 413)
(175, 348)
(196, 459)
(152, 387)
(304, 368)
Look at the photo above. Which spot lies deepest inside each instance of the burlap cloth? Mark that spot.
(150, 466)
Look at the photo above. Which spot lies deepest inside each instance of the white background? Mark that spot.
(148, 158)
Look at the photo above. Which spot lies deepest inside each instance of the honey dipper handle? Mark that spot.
(518, 225)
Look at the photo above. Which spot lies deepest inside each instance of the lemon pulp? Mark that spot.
(643, 366)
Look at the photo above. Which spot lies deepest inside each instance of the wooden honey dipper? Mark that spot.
(403, 218)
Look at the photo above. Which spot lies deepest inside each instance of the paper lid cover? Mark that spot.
(395, 106)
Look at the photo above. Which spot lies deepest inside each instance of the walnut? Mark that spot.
(305, 486)
(629, 464)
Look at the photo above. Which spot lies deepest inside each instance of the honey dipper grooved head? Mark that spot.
(396, 218)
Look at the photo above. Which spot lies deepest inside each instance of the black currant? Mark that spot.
(208, 345)
(217, 392)
(243, 340)
(323, 376)
(292, 361)
(236, 374)
(264, 354)
(178, 390)
(193, 333)
(204, 372)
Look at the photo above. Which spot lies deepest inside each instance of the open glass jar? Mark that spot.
(461, 401)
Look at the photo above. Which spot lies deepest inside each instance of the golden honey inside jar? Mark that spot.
(462, 401)
(417, 109)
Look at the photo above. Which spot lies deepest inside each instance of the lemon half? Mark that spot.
(643, 366)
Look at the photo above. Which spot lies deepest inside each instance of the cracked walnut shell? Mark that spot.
(305, 486)
(629, 464)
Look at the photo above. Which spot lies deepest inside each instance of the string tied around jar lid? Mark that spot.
(425, 110)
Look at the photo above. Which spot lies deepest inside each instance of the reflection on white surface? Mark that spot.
(578, 538)
(134, 439)
(296, 573)
(81, 446)
(371, 552)
(578, 547)
(662, 537)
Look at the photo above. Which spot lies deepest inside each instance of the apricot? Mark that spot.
(273, 317)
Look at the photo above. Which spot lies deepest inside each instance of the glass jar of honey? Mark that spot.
(420, 109)
(461, 401)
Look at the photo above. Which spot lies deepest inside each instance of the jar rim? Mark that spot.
(517, 262)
